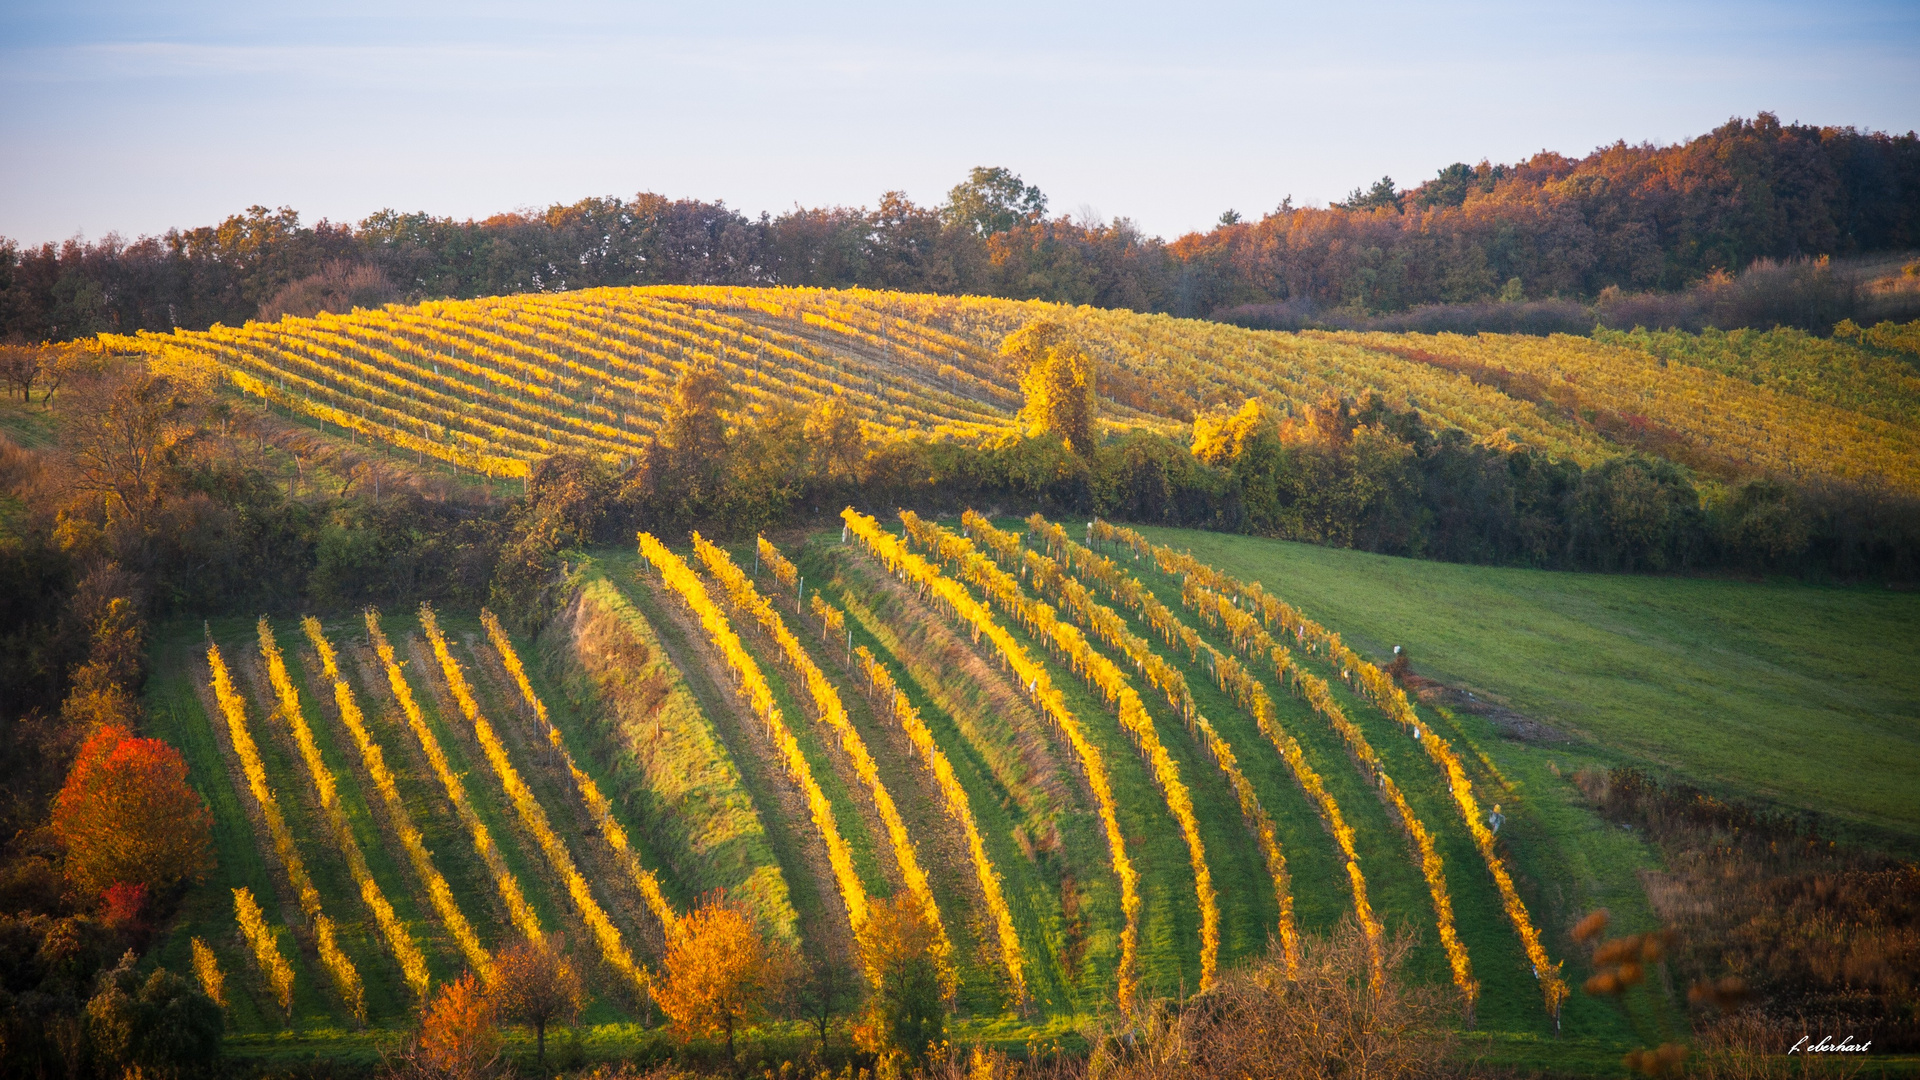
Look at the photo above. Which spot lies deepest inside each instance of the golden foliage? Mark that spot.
(720, 974)
(206, 968)
(532, 815)
(1057, 379)
(265, 945)
(439, 893)
(1039, 686)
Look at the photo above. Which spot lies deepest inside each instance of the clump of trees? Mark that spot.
(1639, 220)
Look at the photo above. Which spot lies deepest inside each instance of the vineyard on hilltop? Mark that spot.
(491, 386)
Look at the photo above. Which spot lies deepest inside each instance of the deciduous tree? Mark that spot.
(537, 984)
(1058, 381)
(721, 972)
(907, 1010)
(127, 814)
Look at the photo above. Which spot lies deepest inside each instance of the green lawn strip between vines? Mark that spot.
(924, 818)
(1776, 690)
(694, 810)
(1032, 887)
(786, 838)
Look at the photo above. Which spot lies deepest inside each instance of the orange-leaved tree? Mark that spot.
(457, 1039)
(126, 814)
(721, 972)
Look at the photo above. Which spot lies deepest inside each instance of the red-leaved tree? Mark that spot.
(127, 815)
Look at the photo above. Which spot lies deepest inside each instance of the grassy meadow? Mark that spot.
(1803, 695)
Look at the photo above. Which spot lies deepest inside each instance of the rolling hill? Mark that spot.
(492, 385)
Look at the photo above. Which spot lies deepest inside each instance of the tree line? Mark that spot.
(1637, 220)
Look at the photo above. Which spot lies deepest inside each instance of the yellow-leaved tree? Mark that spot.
(1058, 382)
(721, 972)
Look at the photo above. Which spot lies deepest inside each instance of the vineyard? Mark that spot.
(1105, 770)
(490, 386)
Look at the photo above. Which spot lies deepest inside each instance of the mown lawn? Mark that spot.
(1802, 694)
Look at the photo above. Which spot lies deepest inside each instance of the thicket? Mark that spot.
(1639, 220)
(1818, 933)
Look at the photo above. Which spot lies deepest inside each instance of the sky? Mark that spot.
(130, 118)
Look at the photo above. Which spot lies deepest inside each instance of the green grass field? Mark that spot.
(1804, 695)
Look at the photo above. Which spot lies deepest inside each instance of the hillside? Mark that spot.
(655, 721)
(493, 385)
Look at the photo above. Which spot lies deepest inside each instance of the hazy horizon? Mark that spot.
(126, 118)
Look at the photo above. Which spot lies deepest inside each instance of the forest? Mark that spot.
(1624, 223)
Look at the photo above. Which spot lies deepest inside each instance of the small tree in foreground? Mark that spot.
(456, 1039)
(720, 974)
(907, 1011)
(536, 983)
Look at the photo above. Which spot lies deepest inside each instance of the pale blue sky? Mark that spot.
(131, 117)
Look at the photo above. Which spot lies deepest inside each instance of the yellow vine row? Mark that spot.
(439, 893)
(1378, 687)
(1219, 611)
(1105, 676)
(1056, 579)
(680, 578)
(346, 978)
(532, 815)
(266, 948)
(206, 968)
(783, 569)
(833, 712)
(958, 808)
(597, 804)
(1039, 686)
(413, 965)
(518, 910)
